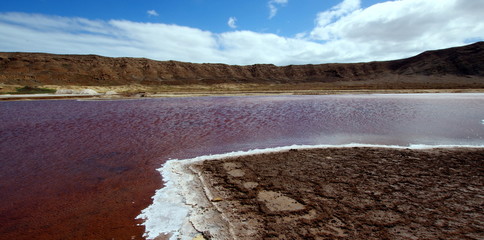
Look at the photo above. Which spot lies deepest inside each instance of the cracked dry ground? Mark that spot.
(351, 193)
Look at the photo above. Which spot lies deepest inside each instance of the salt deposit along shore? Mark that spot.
(350, 191)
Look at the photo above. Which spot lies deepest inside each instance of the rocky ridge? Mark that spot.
(457, 64)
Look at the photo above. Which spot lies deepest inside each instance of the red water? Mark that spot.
(85, 169)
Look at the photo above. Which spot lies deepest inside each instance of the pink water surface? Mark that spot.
(60, 150)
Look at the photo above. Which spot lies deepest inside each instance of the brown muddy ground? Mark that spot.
(355, 193)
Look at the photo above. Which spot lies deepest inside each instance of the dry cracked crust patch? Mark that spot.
(351, 193)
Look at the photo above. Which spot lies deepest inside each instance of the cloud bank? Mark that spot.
(344, 33)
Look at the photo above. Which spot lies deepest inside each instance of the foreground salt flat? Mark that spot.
(189, 204)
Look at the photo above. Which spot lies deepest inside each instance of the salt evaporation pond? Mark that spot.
(85, 169)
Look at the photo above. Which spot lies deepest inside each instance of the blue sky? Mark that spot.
(211, 15)
(281, 32)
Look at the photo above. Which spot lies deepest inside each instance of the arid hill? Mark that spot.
(454, 67)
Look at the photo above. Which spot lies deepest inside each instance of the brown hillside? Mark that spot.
(452, 65)
(461, 61)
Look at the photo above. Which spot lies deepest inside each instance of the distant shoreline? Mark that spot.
(137, 92)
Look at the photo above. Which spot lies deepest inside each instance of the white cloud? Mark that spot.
(273, 6)
(152, 13)
(231, 22)
(395, 29)
(345, 33)
(113, 38)
(335, 13)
